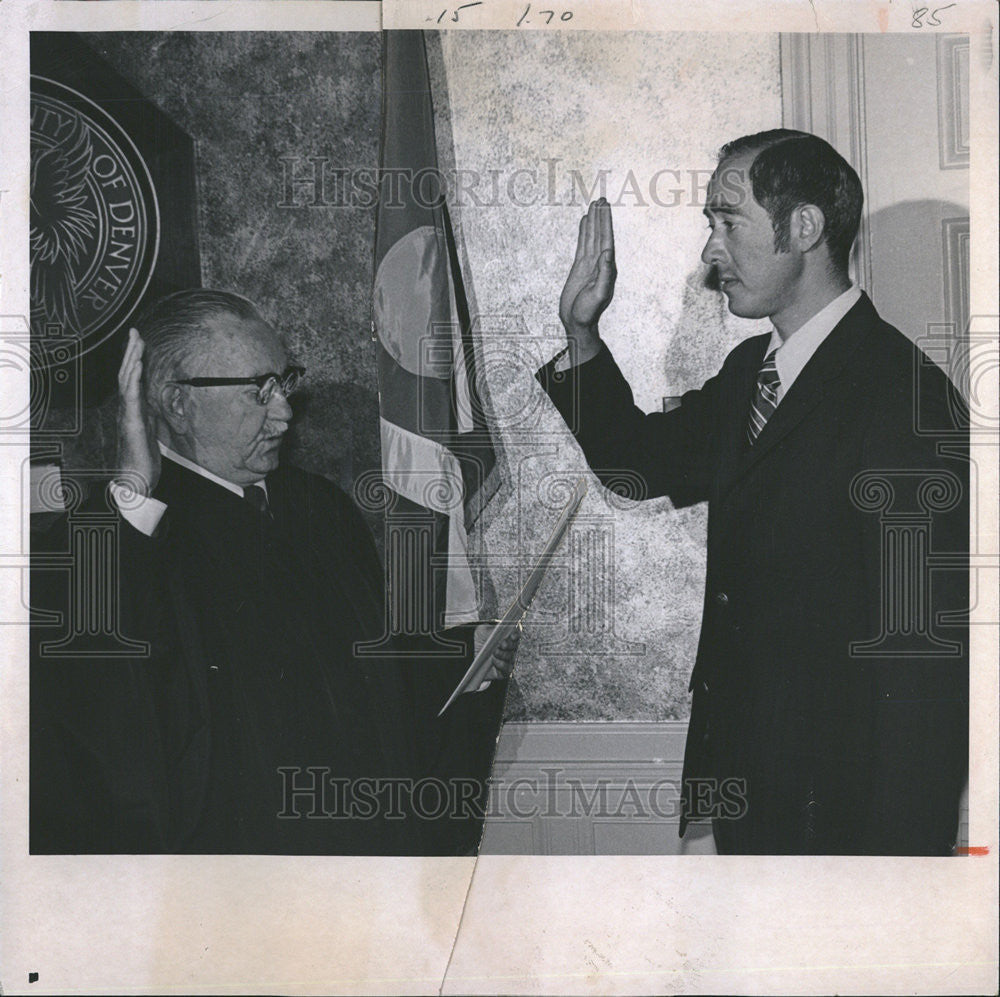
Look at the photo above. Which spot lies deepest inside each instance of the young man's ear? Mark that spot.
(172, 406)
(807, 226)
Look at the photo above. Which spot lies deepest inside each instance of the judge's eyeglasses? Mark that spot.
(266, 383)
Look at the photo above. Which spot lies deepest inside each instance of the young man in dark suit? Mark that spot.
(249, 723)
(830, 700)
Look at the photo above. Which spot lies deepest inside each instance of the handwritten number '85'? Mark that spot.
(932, 21)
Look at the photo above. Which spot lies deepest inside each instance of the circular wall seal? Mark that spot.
(94, 219)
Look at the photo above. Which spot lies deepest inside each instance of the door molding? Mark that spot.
(823, 92)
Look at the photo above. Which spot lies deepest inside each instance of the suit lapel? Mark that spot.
(809, 389)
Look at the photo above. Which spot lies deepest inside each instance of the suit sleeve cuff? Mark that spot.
(562, 367)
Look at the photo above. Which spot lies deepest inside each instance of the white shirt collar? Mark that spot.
(198, 469)
(796, 351)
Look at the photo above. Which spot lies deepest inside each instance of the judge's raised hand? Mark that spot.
(590, 285)
(138, 454)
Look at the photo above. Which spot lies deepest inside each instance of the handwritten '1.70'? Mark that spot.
(566, 15)
(547, 15)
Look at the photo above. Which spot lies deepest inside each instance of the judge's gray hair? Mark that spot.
(175, 331)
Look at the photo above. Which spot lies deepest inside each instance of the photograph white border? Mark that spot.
(693, 924)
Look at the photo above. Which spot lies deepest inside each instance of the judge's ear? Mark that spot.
(173, 407)
(807, 226)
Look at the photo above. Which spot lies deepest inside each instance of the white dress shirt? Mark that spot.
(796, 351)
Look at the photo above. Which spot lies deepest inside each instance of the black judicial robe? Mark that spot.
(251, 695)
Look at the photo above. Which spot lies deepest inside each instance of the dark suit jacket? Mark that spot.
(251, 626)
(800, 739)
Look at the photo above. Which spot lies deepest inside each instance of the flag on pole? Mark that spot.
(437, 454)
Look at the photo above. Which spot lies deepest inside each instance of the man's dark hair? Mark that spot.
(792, 168)
(174, 329)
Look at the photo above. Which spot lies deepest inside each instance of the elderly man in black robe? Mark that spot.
(251, 724)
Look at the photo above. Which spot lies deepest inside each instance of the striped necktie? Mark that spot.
(765, 399)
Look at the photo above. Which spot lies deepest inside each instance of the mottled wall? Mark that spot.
(248, 100)
(629, 104)
(633, 105)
